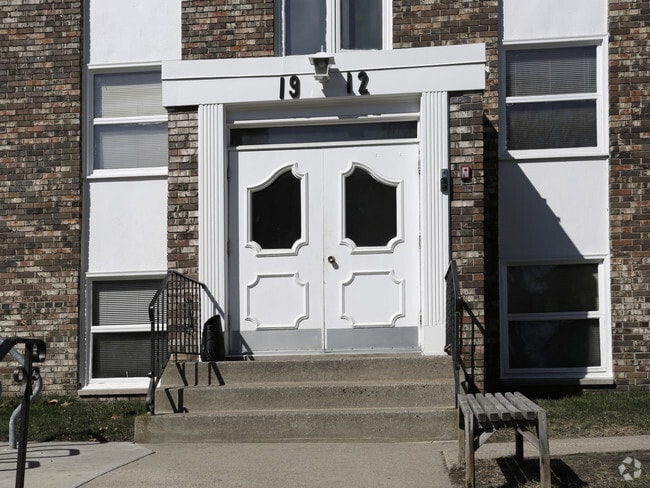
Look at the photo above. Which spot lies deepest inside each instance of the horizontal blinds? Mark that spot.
(551, 125)
(121, 355)
(124, 146)
(122, 302)
(555, 71)
(128, 94)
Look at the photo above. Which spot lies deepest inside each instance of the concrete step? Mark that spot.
(353, 425)
(308, 369)
(400, 397)
(273, 396)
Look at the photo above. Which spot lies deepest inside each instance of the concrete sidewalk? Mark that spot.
(272, 465)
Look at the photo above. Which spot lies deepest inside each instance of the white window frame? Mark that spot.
(97, 386)
(601, 374)
(600, 96)
(91, 122)
(333, 27)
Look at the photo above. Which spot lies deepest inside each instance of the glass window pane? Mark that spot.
(130, 146)
(551, 125)
(126, 355)
(128, 94)
(554, 288)
(320, 133)
(276, 213)
(361, 24)
(554, 344)
(122, 302)
(370, 209)
(305, 22)
(551, 71)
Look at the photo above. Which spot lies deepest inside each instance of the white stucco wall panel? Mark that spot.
(134, 31)
(530, 20)
(127, 226)
(553, 210)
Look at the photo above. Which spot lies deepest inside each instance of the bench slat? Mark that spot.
(503, 412)
(488, 408)
(480, 415)
(514, 411)
(525, 409)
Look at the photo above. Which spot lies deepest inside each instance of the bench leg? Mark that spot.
(469, 451)
(461, 438)
(519, 446)
(544, 453)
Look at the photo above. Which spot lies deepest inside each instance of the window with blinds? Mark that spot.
(130, 123)
(551, 98)
(120, 331)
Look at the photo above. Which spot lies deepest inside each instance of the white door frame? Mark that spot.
(434, 210)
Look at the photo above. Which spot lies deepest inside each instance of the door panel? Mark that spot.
(373, 282)
(324, 249)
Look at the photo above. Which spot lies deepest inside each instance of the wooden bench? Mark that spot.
(480, 415)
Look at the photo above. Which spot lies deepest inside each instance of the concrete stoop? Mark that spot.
(391, 398)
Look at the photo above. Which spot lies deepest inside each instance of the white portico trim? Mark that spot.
(394, 72)
(284, 91)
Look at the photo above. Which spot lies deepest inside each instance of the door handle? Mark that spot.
(331, 259)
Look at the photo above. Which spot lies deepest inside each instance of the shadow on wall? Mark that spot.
(550, 219)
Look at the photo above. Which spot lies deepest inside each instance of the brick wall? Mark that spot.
(629, 91)
(227, 29)
(183, 191)
(40, 197)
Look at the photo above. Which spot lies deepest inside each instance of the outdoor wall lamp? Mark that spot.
(321, 63)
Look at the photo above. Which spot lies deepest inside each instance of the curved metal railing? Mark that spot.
(176, 312)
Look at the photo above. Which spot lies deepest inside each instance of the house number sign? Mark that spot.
(293, 82)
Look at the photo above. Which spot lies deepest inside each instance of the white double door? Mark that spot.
(324, 252)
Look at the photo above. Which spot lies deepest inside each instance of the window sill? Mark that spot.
(115, 174)
(604, 380)
(117, 387)
(544, 154)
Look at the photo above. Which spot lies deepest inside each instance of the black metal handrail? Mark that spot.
(461, 337)
(175, 315)
(24, 374)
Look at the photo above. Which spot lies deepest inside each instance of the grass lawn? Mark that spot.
(598, 414)
(61, 418)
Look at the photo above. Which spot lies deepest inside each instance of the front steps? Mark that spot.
(379, 398)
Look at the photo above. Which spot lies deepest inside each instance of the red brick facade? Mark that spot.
(629, 92)
(183, 194)
(40, 182)
(228, 29)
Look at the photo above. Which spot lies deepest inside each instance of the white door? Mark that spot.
(324, 252)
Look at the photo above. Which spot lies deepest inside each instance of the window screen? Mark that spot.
(126, 355)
